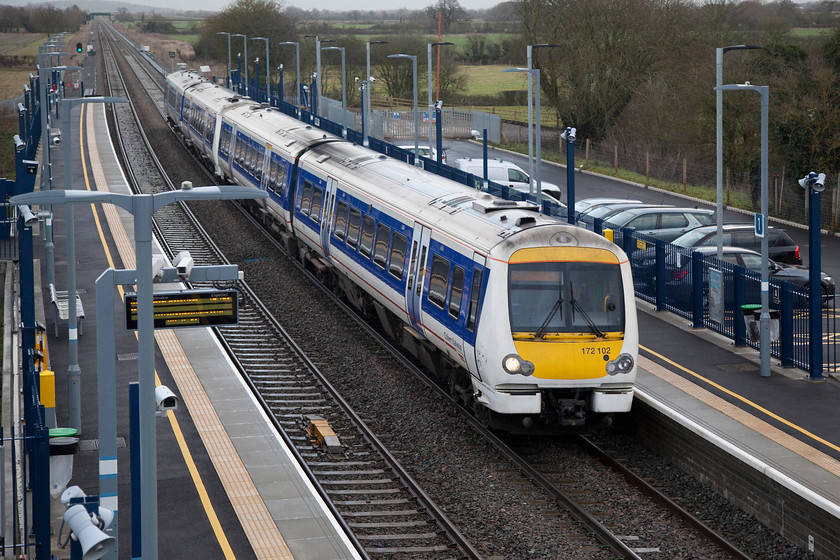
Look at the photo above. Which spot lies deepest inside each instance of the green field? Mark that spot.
(491, 80)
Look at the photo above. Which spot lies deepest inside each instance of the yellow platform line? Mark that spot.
(740, 415)
(250, 508)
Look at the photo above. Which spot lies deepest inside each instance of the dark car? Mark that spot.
(666, 223)
(589, 203)
(676, 271)
(781, 247)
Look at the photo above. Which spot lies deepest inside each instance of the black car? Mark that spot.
(676, 271)
(781, 247)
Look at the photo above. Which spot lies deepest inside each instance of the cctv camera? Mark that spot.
(372, 79)
(356, 79)
(55, 136)
(183, 264)
(569, 134)
(165, 400)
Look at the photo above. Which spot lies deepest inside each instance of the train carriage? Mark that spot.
(529, 320)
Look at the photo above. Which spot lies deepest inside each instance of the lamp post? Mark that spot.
(536, 73)
(143, 207)
(413, 59)
(245, 42)
(74, 373)
(343, 90)
(228, 38)
(367, 83)
(297, 68)
(317, 101)
(431, 103)
(280, 86)
(529, 53)
(267, 66)
(764, 324)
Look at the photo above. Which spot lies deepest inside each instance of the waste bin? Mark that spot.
(63, 445)
(752, 320)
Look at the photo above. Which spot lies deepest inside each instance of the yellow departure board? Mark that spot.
(188, 308)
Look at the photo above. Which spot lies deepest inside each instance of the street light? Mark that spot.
(317, 92)
(245, 41)
(228, 38)
(267, 66)
(343, 90)
(719, 52)
(74, 373)
(530, 58)
(536, 73)
(431, 103)
(297, 68)
(367, 83)
(413, 59)
(764, 324)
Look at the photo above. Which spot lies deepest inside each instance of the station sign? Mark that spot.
(187, 308)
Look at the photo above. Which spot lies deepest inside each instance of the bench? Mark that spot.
(61, 308)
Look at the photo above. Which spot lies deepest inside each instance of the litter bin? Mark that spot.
(63, 445)
(752, 320)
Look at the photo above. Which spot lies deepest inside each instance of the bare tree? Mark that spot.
(450, 12)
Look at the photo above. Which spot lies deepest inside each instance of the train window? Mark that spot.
(437, 284)
(421, 275)
(258, 163)
(353, 231)
(380, 248)
(340, 225)
(396, 265)
(272, 174)
(317, 199)
(456, 292)
(412, 264)
(475, 291)
(306, 198)
(281, 177)
(368, 225)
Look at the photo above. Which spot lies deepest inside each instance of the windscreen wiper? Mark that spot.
(576, 305)
(557, 305)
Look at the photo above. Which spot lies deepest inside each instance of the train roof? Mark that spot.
(472, 217)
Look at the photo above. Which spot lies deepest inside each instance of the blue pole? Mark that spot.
(280, 93)
(815, 286)
(134, 437)
(570, 174)
(439, 134)
(484, 166)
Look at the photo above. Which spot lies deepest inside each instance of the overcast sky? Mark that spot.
(333, 5)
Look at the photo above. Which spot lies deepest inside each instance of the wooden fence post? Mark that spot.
(615, 158)
(685, 175)
(587, 152)
(647, 167)
(727, 186)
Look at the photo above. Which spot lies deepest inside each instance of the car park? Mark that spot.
(662, 222)
(781, 248)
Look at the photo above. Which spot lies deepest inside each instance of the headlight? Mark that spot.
(514, 365)
(622, 364)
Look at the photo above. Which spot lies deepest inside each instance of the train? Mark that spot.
(526, 319)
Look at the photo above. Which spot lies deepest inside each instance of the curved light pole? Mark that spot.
(297, 68)
(431, 103)
(536, 73)
(764, 324)
(267, 66)
(343, 91)
(719, 52)
(530, 50)
(413, 59)
(368, 81)
(228, 38)
(245, 41)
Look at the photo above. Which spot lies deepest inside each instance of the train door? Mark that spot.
(416, 274)
(478, 280)
(327, 215)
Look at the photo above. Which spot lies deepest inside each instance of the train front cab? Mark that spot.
(570, 358)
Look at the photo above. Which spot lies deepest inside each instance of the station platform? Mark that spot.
(229, 489)
(227, 485)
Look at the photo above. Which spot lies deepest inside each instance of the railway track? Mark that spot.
(363, 474)
(386, 512)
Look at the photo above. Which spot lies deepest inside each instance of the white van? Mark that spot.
(506, 173)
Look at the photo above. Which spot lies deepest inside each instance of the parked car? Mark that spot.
(506, 173)
(606, 211)
(781, 247)
(676, 270)
(588, 203)
(423, 151)
(666, 223)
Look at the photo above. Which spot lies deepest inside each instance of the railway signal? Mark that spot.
(78, 47)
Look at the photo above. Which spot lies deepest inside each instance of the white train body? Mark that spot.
(529, 320)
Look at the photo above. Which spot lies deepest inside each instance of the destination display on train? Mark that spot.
(187, 308)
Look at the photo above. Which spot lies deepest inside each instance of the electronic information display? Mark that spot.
(188, 308)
